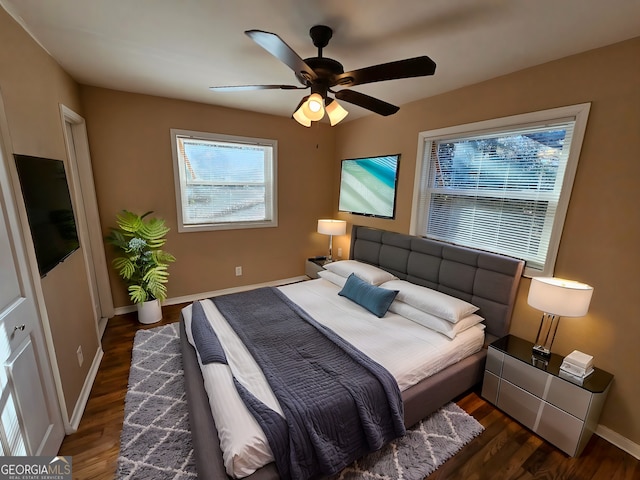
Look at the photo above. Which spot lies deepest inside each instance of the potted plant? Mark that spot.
(142, 263)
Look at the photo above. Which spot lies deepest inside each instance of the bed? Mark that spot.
(486, 280)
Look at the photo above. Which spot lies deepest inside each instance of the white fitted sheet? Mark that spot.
(409, 351)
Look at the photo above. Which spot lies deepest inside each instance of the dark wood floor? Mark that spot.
(505, 450)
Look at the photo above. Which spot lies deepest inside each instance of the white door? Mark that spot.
(30, 418)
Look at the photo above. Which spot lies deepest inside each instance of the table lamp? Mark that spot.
(331, 228)
(556, 297)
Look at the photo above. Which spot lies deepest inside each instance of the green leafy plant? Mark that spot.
(143, 264)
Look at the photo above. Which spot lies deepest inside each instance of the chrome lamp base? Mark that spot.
(330, 257)
(546, 334)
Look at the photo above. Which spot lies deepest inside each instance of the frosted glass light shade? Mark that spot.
(332, 227)
(300, 117)
(335, 112)
(557, 296)
(313, 108)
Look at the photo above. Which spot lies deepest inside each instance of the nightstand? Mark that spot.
(563, 412)
(313, 266)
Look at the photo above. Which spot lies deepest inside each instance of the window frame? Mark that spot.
(271, 185)
(578, 113)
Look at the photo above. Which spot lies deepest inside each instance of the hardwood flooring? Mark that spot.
(96, 444)
(505, 450)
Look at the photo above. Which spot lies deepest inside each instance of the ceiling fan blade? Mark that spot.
(365, 101)
(245, 88)
(273, 44)
(411, 67)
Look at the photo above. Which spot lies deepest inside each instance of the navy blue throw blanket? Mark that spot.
(338, 404)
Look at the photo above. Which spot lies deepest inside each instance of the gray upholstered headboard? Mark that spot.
(487, 280)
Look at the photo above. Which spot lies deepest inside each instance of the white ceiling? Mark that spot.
(178, 49)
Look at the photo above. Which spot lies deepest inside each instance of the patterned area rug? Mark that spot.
(156, 441)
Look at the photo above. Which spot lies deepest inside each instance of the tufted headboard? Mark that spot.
(487, 280)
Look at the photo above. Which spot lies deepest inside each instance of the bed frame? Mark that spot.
(487, 280)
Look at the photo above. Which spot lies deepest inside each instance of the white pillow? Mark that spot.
(332, 277)
(366, 272)
(431, 301)
(434, 323)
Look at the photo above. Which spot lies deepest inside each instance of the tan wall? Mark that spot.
(129, 139)
(33, 85)
(133, 169)
(602, 229)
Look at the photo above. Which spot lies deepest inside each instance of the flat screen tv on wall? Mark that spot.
(49, 211)
(368, 186)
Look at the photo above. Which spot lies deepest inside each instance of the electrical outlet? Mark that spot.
(80, 356)
(238, 271)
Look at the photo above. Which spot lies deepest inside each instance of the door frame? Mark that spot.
(86, 204)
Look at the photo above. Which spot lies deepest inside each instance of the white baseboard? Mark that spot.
(78, 411)
(618, 440)
(215, 293)
(102, 326)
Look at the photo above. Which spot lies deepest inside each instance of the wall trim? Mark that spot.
(618, 440)
(215, 293)
(83, 398)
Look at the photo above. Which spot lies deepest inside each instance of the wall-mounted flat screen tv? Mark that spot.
(49, 211)
(368, 186)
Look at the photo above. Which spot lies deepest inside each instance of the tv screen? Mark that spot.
(49, 211)
(368, 186)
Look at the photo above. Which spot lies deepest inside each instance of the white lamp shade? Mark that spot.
(557, 296)
(335, 112)
(332, 227)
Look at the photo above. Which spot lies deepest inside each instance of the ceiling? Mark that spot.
(178, 49)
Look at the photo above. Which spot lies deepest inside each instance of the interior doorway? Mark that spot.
(86, 208)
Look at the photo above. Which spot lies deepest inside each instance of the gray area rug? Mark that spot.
(156, 441)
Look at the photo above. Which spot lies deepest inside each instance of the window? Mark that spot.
(224, 182)
(502, 185)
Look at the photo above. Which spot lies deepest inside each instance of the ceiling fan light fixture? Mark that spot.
(313, 108)
(335, 112)
(301, 118)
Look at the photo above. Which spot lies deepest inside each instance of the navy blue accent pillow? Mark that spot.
(375, 299)
(205, 337)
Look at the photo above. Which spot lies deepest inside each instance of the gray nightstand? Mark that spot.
(313, 266)
(563, 412)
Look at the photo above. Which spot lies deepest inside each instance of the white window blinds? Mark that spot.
(497, 190)
(225, 183)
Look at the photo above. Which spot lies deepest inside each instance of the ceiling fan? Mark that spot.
(322, 74)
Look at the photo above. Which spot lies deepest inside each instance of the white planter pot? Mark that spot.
(149, 312)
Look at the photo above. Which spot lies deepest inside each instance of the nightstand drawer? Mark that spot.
(560, 428)
(490, 386)
(525, 376)
(519, 404)
(570, 398)
(494, 361)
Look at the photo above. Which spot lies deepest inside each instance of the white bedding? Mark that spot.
(409, 351)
